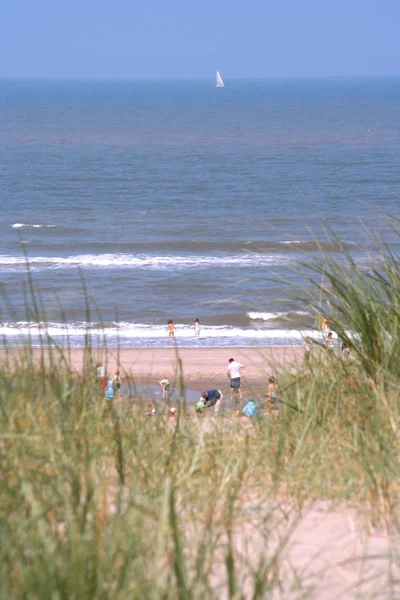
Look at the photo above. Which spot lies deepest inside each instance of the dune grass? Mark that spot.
(98, 501)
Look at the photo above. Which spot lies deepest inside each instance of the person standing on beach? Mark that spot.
(307, 349)
(117, 383)
(101, 375)
(272, 393)
(234, 372)
(330, 342)
(171, 329)
(197, 328)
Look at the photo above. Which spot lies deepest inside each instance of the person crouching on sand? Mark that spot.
(211, 398)
(171, 329)
(165, 387)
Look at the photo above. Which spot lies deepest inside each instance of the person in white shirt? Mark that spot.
(234, 372)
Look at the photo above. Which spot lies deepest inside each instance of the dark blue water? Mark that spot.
(179, 200)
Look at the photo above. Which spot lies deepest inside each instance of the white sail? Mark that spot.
(219, 82)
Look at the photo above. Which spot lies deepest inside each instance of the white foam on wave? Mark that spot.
(143, 261)
(267, 316)
(34, 225)
(126, 330)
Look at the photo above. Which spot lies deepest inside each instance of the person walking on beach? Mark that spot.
(171, 329)
(211, 398)
(197, 328)
(234, 373)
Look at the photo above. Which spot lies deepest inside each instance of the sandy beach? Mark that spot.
(201, 367)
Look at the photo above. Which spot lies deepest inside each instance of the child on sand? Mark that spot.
(171, 329)
(117, 383)
(250, 409)
(101, 375)
(200, 406)
(164, 386)
(110, 390)
(272, 393)
(307, 349)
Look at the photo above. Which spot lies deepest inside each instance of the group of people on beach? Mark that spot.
(213, 398)
(112, 386)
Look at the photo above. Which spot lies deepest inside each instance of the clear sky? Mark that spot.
(189, 39)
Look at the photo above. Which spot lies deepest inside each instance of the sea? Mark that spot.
(128, 203)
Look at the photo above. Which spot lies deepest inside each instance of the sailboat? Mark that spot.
(219, 81)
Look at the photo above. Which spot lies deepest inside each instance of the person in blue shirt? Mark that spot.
(110, 390)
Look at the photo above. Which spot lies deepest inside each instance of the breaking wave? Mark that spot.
(142, 261)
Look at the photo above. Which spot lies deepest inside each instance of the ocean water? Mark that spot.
(175, 200)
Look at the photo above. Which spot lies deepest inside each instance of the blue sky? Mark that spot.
(183, 39)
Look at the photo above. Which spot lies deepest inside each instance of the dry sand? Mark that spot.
(200, 366)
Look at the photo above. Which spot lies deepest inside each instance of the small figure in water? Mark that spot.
(197, 328)
(171, 329)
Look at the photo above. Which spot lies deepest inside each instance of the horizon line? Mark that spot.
(192, 80)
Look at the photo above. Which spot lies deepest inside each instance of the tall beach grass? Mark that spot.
(98, 501)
